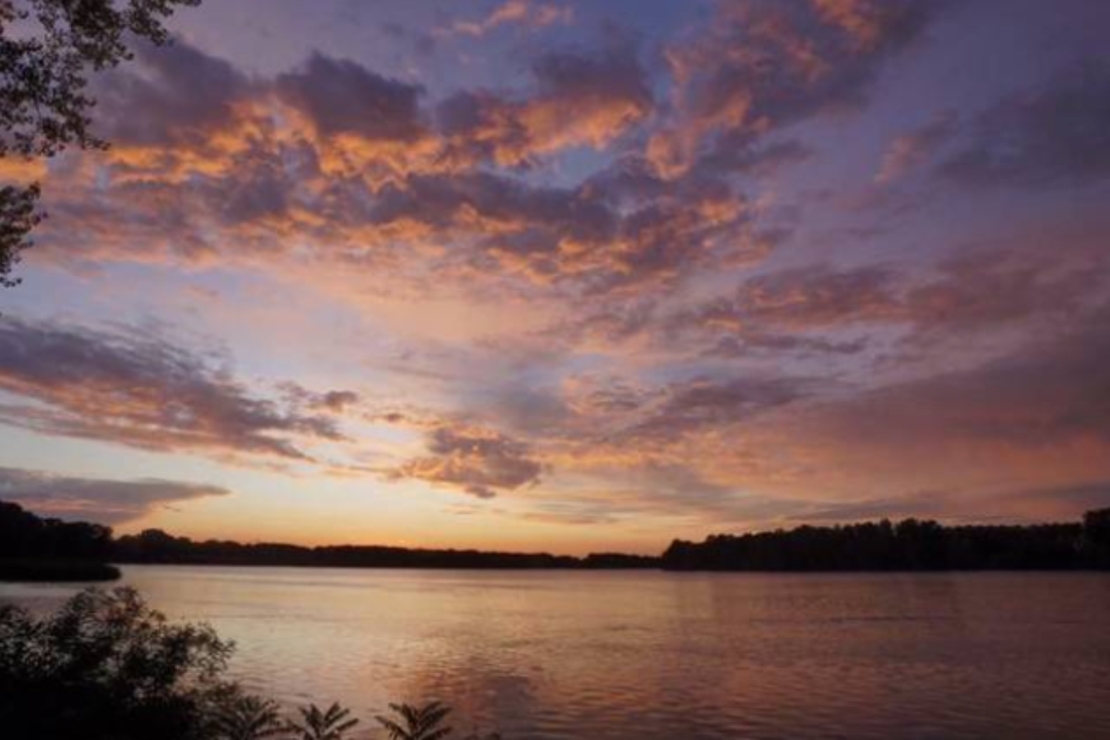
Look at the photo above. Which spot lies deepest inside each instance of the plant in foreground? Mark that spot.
(327, 725)
(105, 666)
(417, 723)
(249, 718)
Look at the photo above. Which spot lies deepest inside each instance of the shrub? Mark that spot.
(105, 666)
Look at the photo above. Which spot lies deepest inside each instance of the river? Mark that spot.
(545, 655)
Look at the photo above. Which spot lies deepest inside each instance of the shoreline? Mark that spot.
(49, 570)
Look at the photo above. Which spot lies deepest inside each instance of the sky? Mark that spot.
(573, 276)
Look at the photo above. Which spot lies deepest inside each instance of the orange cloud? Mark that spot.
(520, 12)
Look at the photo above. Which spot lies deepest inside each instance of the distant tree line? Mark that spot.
(156, 546)
(909, 545)
(22, 534)
(34, 542)
(36, 549)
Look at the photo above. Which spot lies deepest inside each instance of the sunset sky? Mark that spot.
(573, 276)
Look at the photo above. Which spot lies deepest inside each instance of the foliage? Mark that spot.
(1096, 536)
(416, 723)
(246, 717)
(323, 725)
(24, 535)
(908, 545)
(48, 49)
(33, 570)
(156, 546)
(17, 217)
(107, 666)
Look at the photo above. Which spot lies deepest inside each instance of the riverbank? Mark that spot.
(55, 570)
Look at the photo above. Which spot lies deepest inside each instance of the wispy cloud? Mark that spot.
(97, 499)
(138, 389)
(909, 150)
(516, 12)
(1051, 134)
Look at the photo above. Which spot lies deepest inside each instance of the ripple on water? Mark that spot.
(656, 656)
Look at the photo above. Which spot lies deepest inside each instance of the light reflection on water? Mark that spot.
(657, 656)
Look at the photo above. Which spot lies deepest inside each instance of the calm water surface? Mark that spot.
(657, 656)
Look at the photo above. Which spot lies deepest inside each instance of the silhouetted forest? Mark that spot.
(908, 545)
(22, 534)
(36, 549)
(40, 543)
(155, 546)
(33, 548)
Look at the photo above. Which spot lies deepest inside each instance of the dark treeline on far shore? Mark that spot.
(908, 545)
(34, 548)
(30, 544)
(155, 546)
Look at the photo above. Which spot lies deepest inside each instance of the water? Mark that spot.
(658, 656)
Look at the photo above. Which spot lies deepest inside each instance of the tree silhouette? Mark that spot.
(48, 49)
(908, 545)
(1096, 535)
(248, 717)
(106, 666)
(326, 725)
(419, 723)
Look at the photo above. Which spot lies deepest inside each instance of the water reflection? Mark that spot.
(660, 656)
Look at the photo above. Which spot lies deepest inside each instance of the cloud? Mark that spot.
(759, 66)
(1050, 503)
(631, 494)
(747, 343)
(343, 97)
(97, 499)
(580, 99)
(1052, 135)
(807, 297)
(547, 234)
(1023, 435)
(1050, 392)
(976, 289)
(994, 287)
(138, 389)
(330, 401)
(336, 163)
(703, 404)
(169, 95)
(911, 149)
(480, 461)
(344, 163)
(336, 401)
(423, 43)
(513, 12)
(560, 238)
